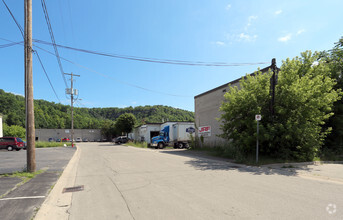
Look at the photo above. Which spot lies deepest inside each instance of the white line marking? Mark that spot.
(28, 197)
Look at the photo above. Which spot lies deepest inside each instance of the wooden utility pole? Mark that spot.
(30, 120)
(72, 93)
(273, 82)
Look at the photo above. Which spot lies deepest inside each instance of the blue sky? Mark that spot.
(192, 30)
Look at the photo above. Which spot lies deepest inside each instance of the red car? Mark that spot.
(11, 143)
(65, 139)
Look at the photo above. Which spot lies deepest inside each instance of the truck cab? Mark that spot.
(162, 139)
(174, 134)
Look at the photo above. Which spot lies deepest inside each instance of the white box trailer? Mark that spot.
(175, 134)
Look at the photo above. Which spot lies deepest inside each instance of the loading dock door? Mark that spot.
(153, 134)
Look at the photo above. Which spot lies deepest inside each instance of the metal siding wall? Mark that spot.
(90, 134)
(207, 111)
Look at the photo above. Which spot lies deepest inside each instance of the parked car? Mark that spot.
(11, 143)
(51, 139)
(85, 140)
(78, 139)
(121, 139)
(58, 140)
(65, 139)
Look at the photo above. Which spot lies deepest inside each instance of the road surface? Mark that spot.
(123, 182)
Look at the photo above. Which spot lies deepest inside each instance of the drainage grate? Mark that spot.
(73, 189)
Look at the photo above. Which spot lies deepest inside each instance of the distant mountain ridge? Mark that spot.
(54, 115)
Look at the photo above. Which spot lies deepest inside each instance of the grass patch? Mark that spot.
(46, 144)
(25, 176)
(137, 144)
(142, 145)
(228, 153)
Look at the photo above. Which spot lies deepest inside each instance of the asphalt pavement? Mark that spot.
(123, 182)
(19, 200)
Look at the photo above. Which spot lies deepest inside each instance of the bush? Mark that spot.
(304, 97)
(14, 131)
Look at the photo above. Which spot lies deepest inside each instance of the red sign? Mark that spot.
(205, 129)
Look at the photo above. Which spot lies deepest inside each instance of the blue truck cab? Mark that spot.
(162, 139)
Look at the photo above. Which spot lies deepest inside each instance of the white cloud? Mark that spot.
(219, 43)
(247, 37)
(278, 12)
(17, 94)
(228, 7)
(250, 20)
(285, 38)
(134, 103)
(300, 31)
(242, 37)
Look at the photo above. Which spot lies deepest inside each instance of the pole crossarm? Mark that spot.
(72, 105)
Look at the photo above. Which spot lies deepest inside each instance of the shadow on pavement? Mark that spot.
(202, 161)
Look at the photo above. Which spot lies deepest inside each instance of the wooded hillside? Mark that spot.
(53, 115)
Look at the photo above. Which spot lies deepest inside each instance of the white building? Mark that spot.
(145, 132)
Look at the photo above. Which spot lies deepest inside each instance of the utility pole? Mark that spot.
(273, 82)
(30, 120)
(72, 92)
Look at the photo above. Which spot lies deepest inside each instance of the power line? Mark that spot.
(11, 44)
(106, 76)
(152, 60)
(46, 74)
(40, 61)
(18, 25)
(53, 40)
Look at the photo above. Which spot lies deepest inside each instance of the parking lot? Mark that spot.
(53, 159)
(21, 201)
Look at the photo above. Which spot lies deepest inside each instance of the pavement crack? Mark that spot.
(127, 205)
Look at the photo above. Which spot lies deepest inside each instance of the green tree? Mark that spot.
(334, 58)
(125, 123)
(14, 131)
(108, 129)
(305, 95)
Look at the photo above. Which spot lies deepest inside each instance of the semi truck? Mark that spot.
(174, 134)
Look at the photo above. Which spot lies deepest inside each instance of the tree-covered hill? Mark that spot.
(53, 115)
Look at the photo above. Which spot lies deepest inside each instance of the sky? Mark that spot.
(249, 31)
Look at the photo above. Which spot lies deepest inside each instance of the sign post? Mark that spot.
(257, 118)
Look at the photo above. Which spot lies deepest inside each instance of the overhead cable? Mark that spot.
(53, 40)
(17, 23)
(11, 44)
(152, 60)
(112, 78)
(36, 52)
(46, 74)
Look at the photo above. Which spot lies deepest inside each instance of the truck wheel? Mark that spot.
(180, 145)
(9, 148)
(160, 145)
(187, 145)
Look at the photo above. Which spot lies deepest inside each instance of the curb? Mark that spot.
(57, 204)
(302, 163)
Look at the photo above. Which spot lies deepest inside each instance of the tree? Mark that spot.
(108, 129)
(334, 59)
(14, 131)
(125, 123)
(304, 98)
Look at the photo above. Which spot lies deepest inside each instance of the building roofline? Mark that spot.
(232, 82)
